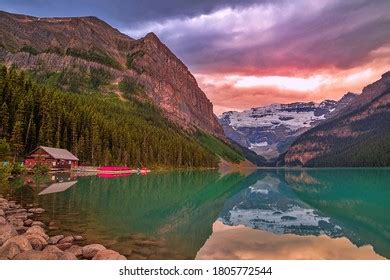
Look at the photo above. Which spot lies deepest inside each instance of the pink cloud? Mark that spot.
(226, 94)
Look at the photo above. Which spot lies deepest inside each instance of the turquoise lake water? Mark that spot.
(174, 215)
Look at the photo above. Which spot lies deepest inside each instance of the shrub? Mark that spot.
(98, 77)
(40, 168)
(5, 171)
(130, 59)
(18, 169)
(129, 87)
(94, 56)
(29, 49)
(5, 150)
(54, 50)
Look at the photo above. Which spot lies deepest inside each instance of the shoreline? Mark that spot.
(23, 237)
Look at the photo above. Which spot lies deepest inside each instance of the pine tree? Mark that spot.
(5, 150)
(17, 139)
(4, 119)
(3, 79)
(95, 141)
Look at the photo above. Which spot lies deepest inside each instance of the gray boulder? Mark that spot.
(68, 256)
(89, 251)
(38, 230)
(36, 210)
(68, 239)
(64, 246)
(53, 249)
(108, 255)
(28, 222)
(6, 232)
(78, 238)
(21, 241)
(36, 255)
(54, 239)
(76, 250)
(61, 255)
(9, 251)
(37, 241)
(38, 223)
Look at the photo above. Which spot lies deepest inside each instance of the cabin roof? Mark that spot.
(58, 153)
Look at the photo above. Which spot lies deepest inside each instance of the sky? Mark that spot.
(252, 53)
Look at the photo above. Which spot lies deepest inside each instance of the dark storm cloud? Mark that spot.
(242, 35)
(121, 11)
(341, 35)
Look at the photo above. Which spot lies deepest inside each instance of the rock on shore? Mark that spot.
(22, 237)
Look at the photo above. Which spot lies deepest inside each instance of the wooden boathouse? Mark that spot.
(54, 158)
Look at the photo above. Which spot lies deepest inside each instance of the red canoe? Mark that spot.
(110, 176)
(114, 168)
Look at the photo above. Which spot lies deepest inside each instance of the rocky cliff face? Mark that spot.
(271, 129)
(359, 135)
(85, 43)
(169, 82)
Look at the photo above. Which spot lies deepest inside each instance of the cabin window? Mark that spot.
(70, 162)
(54, 163)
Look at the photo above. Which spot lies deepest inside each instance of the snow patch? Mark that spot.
(260, 144)
(273, 116)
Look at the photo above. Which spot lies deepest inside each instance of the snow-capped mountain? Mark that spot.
(269, 130)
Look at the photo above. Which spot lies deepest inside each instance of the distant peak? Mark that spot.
(152, 36)
(349, 94)
(347, 97)
(386, 75)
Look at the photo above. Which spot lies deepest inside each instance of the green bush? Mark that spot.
(98, 77)
(130, 59)
(29, 49)
(18, 169)
(5, 171)
(40, 168)
(94, 56)
(5, 150)
(129, 87)
(74, 80)
(54, 50)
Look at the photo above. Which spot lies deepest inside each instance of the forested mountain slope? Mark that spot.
(359, 136)
(98, 129)
(82, 54)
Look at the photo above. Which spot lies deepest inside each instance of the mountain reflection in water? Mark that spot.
(240, 242)
(178, 215)
(351, 203)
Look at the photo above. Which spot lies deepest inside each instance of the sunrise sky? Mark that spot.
(251, 53)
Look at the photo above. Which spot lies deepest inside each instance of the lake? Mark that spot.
(267, 214)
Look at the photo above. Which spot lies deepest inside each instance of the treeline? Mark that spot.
(98, 57)
(80, 79)
(99, 130)
(371, 148)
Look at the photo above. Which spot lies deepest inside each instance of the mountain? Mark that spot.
(359, 135)
(79, 84)
(270, 130)
(86, 54)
